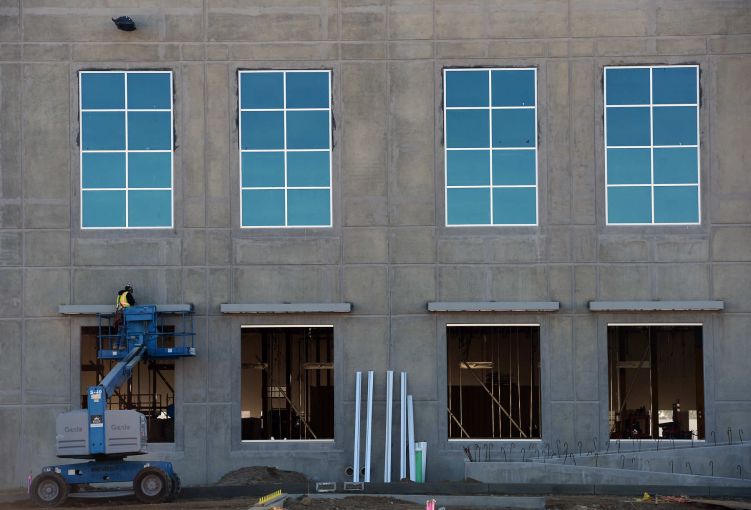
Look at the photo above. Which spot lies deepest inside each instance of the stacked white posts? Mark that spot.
(356, 460)
(368, 426)
(406, 429)
(389, 409)
(403, 428)
(411, 432)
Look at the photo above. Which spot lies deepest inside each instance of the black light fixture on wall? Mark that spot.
(125, 23)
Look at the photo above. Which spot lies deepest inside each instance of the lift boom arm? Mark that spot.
(99, 395)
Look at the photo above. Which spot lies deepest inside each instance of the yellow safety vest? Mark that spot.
(122, 300)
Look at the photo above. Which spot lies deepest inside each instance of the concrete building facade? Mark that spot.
(389, 252)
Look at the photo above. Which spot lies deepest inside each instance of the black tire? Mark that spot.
(49, 489)
(152, 485)
(176, 486)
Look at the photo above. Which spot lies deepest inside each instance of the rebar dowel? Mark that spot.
(607, 446)
(740, 471)
(503, 450)
(688, 466)
(573, 458)
(740, 435)
(565, 448)
(595, 440)
(623, 461)
(596, 455)
(633, 461)
(477, 452)
(524, 453)
(565, 459)
(579, 443)
(730, 435)
(557, 447)
(711, 468)
(671, 466)
(619, 446)
(714, 438)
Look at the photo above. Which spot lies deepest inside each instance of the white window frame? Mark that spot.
(651, 145)
(285, 150)
(126, 151)
(490, 149)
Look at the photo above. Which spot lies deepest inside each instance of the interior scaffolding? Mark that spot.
(656, 382)
(287, 383)
(150, 390)
(493, 382)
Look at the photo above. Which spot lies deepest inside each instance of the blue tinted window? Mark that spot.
(514, 167)
(676, 165)
(149, 131)
(263, 208)
(629, 166)
(103, 170)
(514, 128)
(262, 130)
(129, 149)
(307, 90)
(661, 130)
(150, 208)
(103, 209)
(149, 91)
(287, 149)
(674, 125)
(674, 85)
(627, 86)
(468, 206)
(262, 169)
(308, 207)
(262, 90)
(514, 206)
(630, 204)
(514, 88)
(308, 169)
(628, 126)
(503, 135)
(676, 204)
(467, 128)
(467, 88)
(150, 170)
(103, 131)
(102, 91)
(468, 168)
(308, 130)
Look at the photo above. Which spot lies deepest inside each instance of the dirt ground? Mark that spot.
(367, 503)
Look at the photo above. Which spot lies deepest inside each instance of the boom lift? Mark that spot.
(108, 436)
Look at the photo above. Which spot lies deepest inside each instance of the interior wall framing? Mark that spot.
(709, 325)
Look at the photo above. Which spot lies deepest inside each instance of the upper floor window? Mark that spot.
(126, 149)
(490, 133)
(652, 145)
(285, 148)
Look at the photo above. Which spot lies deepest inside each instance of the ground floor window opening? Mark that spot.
(493, 381)
(287, 383)
(150, 390)
(656, 381)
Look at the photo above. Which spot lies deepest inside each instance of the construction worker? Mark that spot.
(124, 300)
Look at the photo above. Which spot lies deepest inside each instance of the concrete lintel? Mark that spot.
(95, 309)
(286, 307)
(656, 306)
(494, 306)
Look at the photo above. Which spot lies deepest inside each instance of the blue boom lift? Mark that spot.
(108, 436)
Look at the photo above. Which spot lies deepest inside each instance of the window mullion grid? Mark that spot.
(490, 140)
(651, 147)
(284, 125)
(127, 183)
